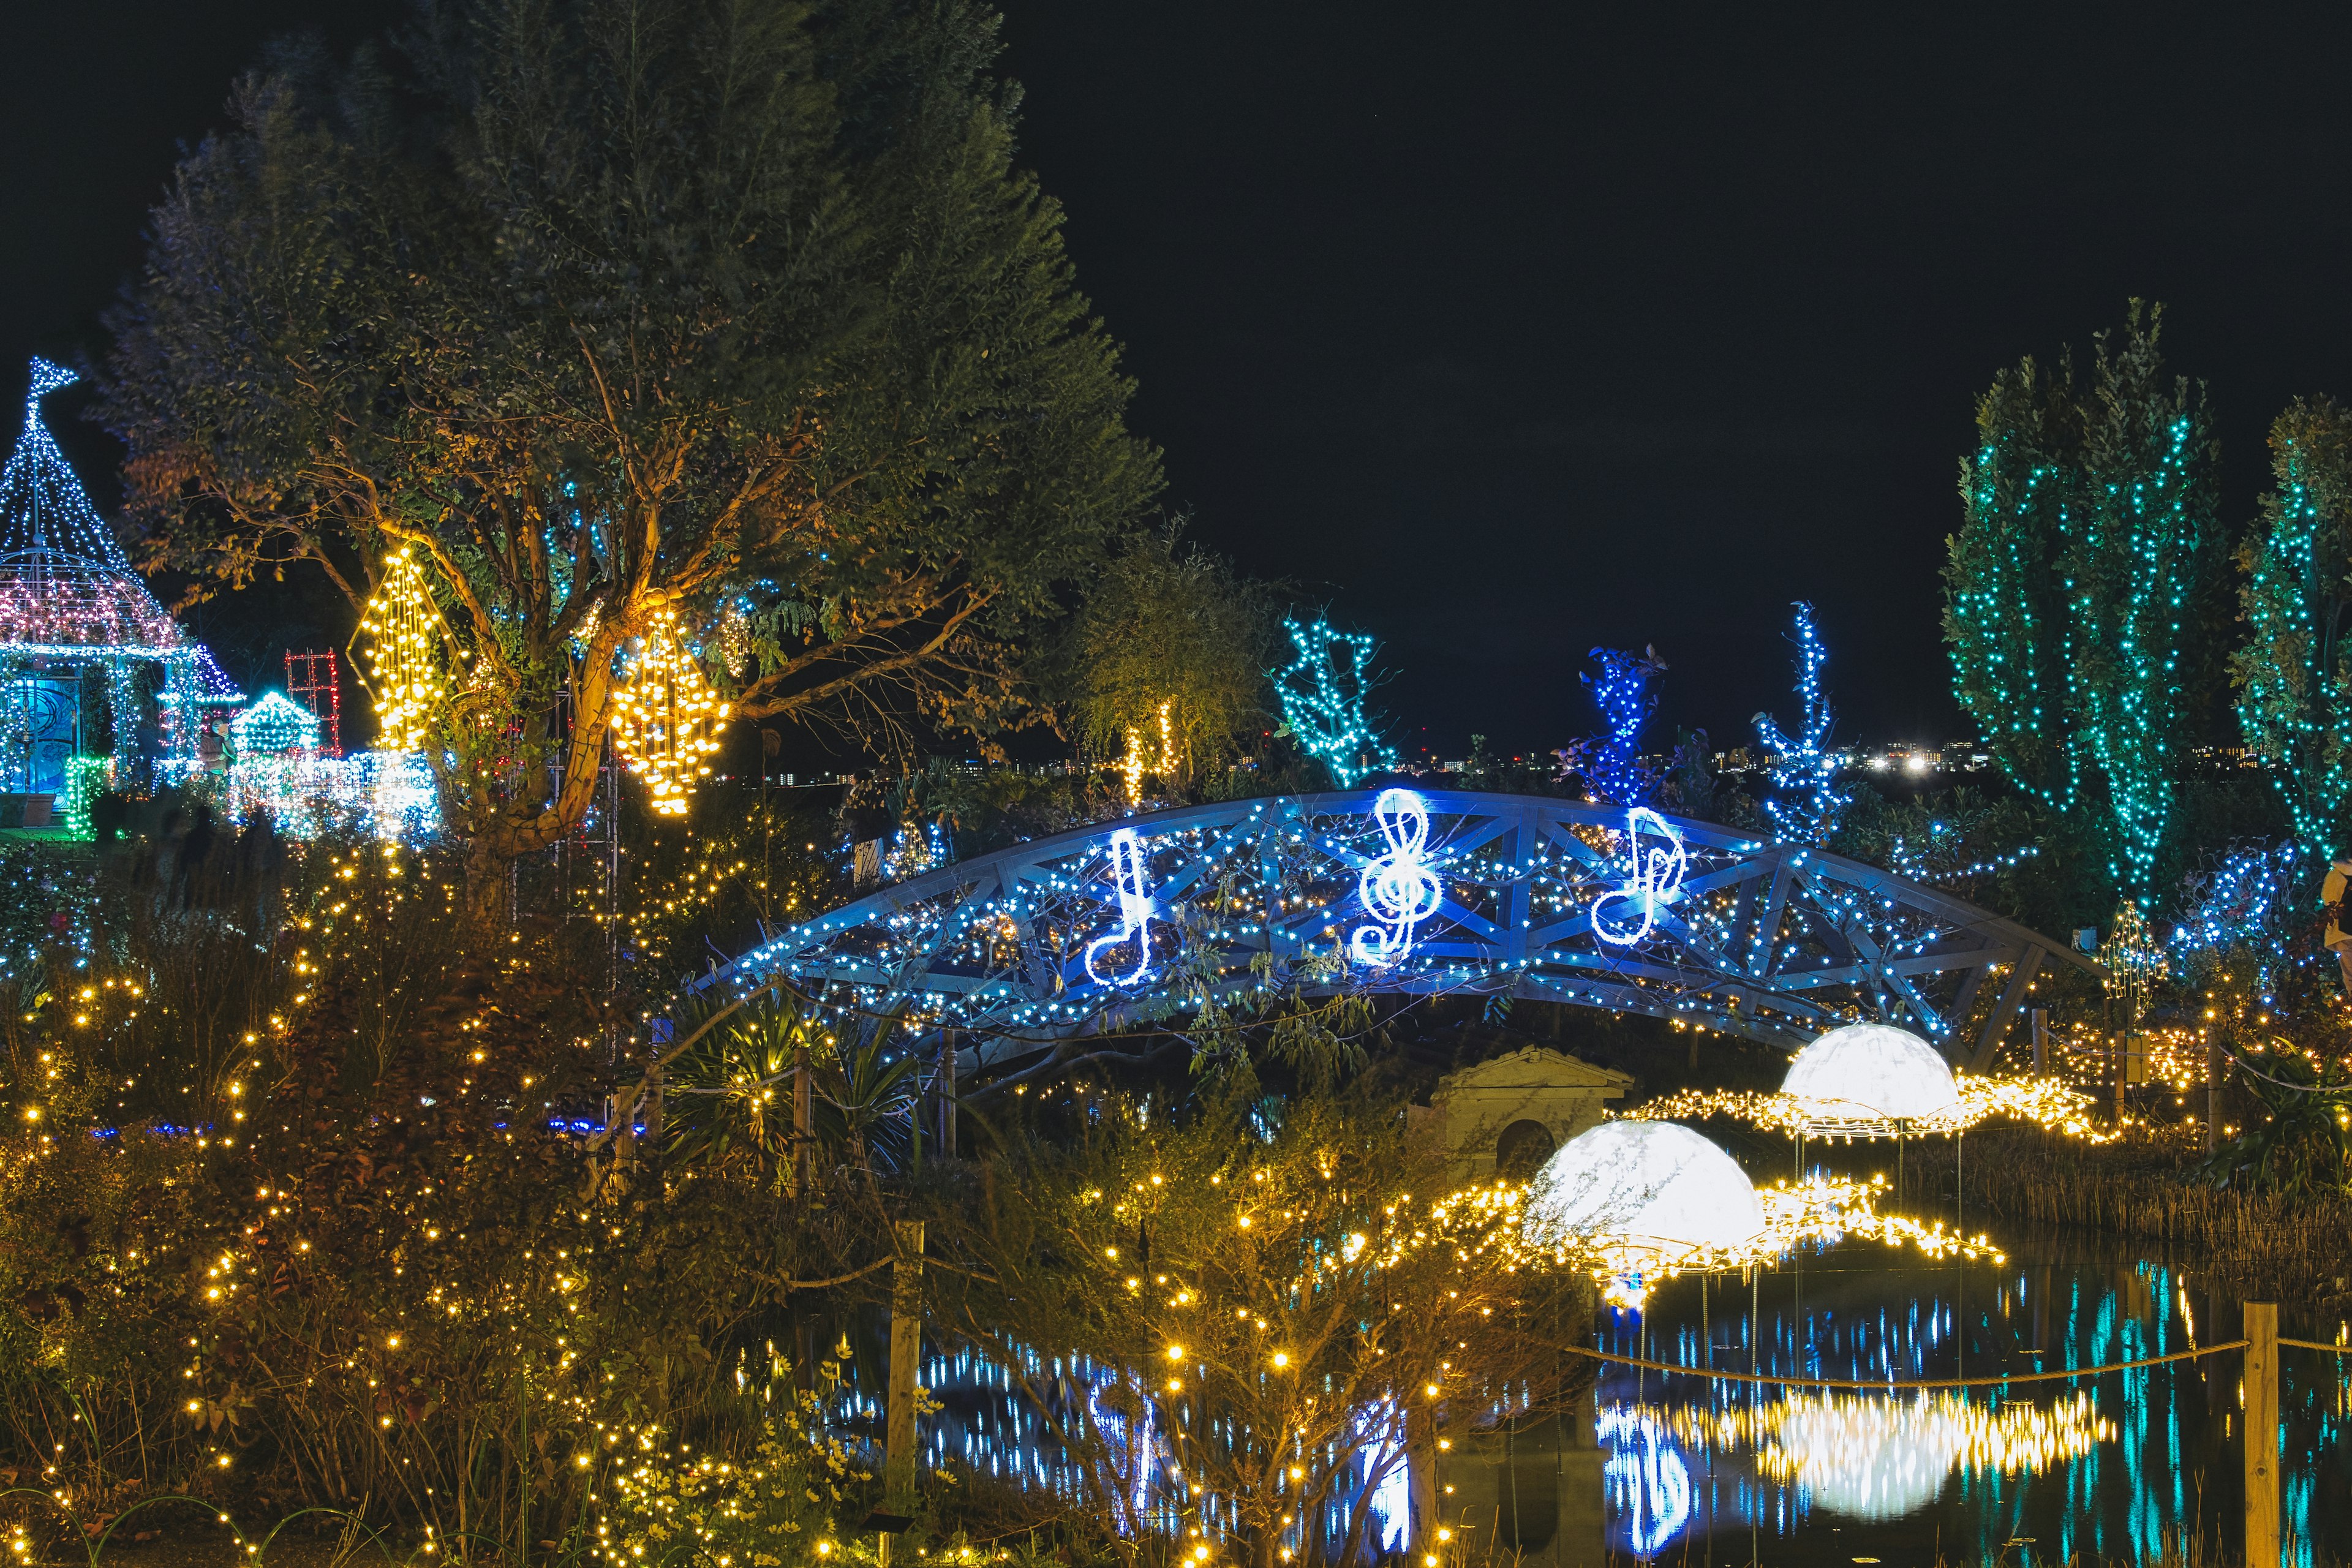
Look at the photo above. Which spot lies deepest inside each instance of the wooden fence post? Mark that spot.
(804, 1127)
(2261, 1435)
(906, 1363)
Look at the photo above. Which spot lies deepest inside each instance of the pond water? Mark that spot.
(1686, 1470)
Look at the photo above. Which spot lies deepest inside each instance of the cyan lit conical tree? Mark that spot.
(2077, 584)
(2292, 675)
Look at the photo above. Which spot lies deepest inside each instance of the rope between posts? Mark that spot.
(1891, 1387)
(2315, 1345)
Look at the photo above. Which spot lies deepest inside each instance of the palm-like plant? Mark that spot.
(2304, 1145)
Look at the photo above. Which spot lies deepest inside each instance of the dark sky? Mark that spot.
(1514, 329)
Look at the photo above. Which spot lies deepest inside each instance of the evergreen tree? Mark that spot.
(608, 310)
(2076, 584)
(2293, 674)
(2149, 543)
(2006, 612)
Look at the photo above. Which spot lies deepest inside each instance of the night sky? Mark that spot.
(1507, 331)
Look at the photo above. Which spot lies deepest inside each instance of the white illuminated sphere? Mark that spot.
(1872, 1070)
(1650, 1184)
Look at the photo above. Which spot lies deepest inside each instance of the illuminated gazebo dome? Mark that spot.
(1868, 1076)
(1654, 1188)
(71, 607)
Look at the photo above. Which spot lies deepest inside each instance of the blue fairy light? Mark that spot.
(1808, 804)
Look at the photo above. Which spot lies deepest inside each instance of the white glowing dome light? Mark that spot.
(1650, 1186)
(1872, 1072)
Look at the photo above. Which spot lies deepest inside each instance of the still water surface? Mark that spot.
(1687, 1469)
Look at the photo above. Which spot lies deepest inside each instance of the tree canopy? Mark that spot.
(613, 310)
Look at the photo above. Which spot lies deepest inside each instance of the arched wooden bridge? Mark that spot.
(1424, 893)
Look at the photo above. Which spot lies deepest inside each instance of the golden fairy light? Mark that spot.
(665, 715)
(1135, 764)
(404, 649)
(2043, 1100)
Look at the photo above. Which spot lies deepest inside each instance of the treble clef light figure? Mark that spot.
(1398, 888)
(1134, 912)
(1656, 876)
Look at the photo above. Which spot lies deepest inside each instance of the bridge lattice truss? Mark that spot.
(1775, 943)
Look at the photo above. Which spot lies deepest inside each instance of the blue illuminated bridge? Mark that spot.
(1432, 893)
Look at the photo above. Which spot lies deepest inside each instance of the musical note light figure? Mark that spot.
(1399, 890)
(1126, 870)
(1657, 864)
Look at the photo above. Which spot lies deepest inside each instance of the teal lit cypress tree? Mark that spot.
(2075, 585)
(2149, 541)
(2006, 611)
(2294, 675)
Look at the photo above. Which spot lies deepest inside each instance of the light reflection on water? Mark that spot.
(2108, 1466)
(1676, 1466)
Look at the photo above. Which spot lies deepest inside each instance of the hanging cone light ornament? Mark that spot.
(403, 628)
(665, 715)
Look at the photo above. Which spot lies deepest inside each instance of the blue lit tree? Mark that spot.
(1808, 804)
(1323, 692)
(1612, 762)
(2293, 676)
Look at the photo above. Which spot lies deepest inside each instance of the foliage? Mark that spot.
(2301, 1146)
(2078, 585)
(1270, 1290)
(374, 1276)
(1612, 762)
(1322, 692)
(813, 356)
(2294, 675)
(1809, 803)
(761, 1510)
(1168, 658)
(981, 810)
(745, 860)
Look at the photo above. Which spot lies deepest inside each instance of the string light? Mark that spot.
(1612, 769)
(403, 627)
(1323, 692)
(2238, 900)
(276, 723)
(387, 795)
(1652, 880)
(1804, 770)
(2044, 1101)
(1398, 888)
(665, 715)
(2294, 696)
(70, 600)
(2090, 527)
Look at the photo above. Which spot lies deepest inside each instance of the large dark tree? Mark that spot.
(609, 310)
